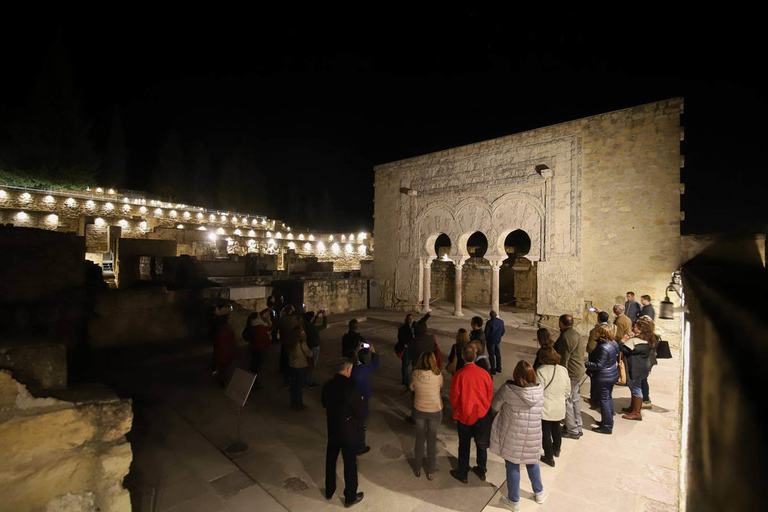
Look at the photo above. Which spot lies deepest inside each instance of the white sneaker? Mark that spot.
(511, 505)
(541, 497)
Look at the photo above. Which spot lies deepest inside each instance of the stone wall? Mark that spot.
(476, 281)
(599, 197)
(64, 456)
(336, 295)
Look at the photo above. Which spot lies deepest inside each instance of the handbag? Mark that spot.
(662, 350)
(622, 371)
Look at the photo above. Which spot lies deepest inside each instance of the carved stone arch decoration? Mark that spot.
(435, 219)
(518, 210)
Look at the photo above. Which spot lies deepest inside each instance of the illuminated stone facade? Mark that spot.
(599, 198)
(198, 231)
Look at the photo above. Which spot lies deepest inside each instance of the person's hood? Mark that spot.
(424, 376)
(529, 394)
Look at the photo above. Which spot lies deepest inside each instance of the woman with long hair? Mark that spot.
(426, 381)
(516, 431)
(544, 339)
(557, 387)
(462, 340)
(604, 373)
(636, 347)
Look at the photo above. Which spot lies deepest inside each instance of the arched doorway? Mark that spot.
(477, 245)
(517, 275)
(442, 272)
(442, 247)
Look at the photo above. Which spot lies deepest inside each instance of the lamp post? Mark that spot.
(667, 307)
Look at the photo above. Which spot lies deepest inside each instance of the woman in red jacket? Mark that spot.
(258, 335)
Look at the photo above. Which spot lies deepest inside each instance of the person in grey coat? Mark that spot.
(516, 431)
(632, 307)
(571, 346)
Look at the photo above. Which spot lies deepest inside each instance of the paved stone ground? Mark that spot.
(184, 424)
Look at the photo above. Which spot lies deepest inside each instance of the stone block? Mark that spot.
(43, 365)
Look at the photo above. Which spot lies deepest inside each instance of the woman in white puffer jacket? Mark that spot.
(516, 431)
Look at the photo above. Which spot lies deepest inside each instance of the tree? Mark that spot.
(115, 154)
(49, 142)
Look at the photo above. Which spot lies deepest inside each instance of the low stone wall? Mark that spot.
(336, 295)
(145, 315)
(63, 456)
(42, 365)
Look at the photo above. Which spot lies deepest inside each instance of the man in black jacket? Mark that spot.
(352, 340)
(632, 307)
(647, 309)
(405, 335)
(346, 415)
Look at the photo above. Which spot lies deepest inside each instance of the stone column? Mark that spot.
(495, 265)
(427, 286)
(457, 292)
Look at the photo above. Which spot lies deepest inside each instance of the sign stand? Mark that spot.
(238, 389)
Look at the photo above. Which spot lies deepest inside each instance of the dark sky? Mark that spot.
(321, 97)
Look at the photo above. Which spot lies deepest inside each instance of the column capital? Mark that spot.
(459, 261)
(496, 263)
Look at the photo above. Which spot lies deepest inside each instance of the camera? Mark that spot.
(365, 345)
(592, 310)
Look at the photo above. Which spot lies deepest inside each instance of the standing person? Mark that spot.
(427, 410)
(462, 340)
(361, 373)
(405, 334)
(636, 347)
(471, 394)
(622, 322)
(602, 320)
(352, 340)
(477, 336)
(309, 322)
(225, 346)
(557, 389)
(298, 354)
(647, 309)
(544, 340)
(424, 342)
(287, 324)
(346, 414)
(516, 432)
(571, 347)
(604, 373)
(274, 316)
(494, 330)
(652, 361)
(257, 334)
(632, 307)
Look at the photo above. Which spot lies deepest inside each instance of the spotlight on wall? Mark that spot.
(348, 248)
(48, 199)
(3, 194)
(109, 206)
(199, 216)
(212, 237)
(143, 209)
(202, 228)
(123, 223)
(180, 226)
(126, 207)
(99, 222)
(158, 212)
(143, 225)
(70, 202)
(251, 233)
(221, 231)
(25, 197)
(22, 216)
(173, 214)
(99, 190)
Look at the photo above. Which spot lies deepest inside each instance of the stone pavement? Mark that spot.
(184, 424)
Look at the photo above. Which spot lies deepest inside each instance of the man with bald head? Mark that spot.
(571, 346)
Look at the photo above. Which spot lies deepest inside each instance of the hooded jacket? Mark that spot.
(557, 387)
(516, 430)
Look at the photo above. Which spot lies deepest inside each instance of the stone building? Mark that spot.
(598, 197)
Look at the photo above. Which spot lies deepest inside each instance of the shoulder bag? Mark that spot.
(622, 371)
(662, 350)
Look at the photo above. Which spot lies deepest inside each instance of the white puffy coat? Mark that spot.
(555, 392)
(516, 430)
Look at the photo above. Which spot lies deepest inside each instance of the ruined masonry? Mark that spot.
(599, 198)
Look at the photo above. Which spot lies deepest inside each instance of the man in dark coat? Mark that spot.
(494, 330)
(352, 340)
(346, 415)
(632, 307)
(405, 334)
(647, 309)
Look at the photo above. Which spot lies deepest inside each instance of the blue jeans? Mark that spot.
(604, 394)
(635, 387)
(646, 391)
(494, 355)
(513, 480)
(406, 367)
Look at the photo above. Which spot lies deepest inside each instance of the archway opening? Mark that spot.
(442, 247)
(477, 245)
(517, 276)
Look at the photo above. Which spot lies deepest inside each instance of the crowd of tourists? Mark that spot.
(523, 421)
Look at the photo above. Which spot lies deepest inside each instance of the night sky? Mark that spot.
(320, 97)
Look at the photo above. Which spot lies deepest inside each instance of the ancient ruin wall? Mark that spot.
(57, 455)
(599, 198)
